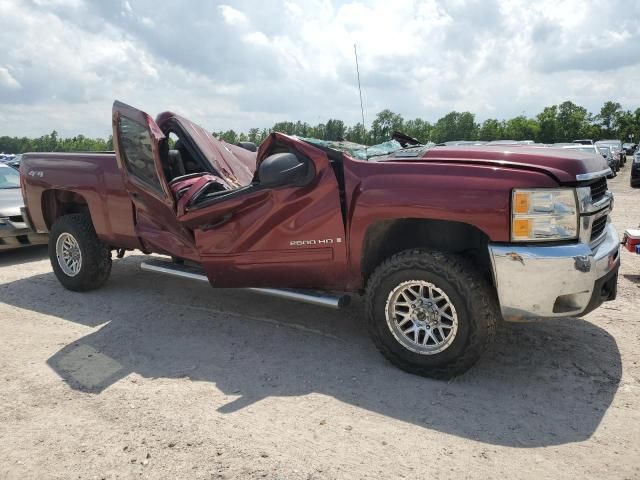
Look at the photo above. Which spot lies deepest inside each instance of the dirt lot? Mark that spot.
(160, 378)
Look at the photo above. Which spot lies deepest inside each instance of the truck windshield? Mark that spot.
(9, 178)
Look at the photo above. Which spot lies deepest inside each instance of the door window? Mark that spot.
(136, 150)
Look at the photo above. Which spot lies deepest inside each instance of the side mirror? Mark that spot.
(285, 169)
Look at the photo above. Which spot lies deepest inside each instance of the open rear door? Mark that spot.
(139, 145)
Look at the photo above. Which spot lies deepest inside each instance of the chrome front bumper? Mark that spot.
(555, 281)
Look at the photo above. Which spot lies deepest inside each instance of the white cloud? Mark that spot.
(256, 38)
(233, 16)
(7, 80)
(254, 63)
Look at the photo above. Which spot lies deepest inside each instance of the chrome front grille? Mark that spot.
(595, 201)
(598, 189)
(598, 226)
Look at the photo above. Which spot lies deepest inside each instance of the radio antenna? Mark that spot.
(355, 51)
(364, 128)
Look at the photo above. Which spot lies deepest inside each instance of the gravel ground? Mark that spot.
(160, 378)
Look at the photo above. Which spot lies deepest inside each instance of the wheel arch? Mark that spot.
(385, 238)
(59, 202)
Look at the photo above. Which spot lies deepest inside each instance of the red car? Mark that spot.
(441, 241)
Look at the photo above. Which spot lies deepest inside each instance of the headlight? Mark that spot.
(539, 215)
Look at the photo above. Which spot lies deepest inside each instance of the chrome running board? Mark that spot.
(195, 273)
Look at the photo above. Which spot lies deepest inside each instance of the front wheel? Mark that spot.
(430, 313)
(80, 260)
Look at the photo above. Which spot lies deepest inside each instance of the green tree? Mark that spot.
(357, 134)
(521, 128)
(607, 118)
(573, 122)
(230, 136)
(285, 127)
(384, 125)
(254, 135)
(334, 130)
(418, 129)
(548, 121)
(455, 126)
(318, 131)
(491, 129)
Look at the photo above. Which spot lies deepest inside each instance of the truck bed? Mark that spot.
(56, 183)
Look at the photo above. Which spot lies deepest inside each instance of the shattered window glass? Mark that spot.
(364, 152)
(135, 146)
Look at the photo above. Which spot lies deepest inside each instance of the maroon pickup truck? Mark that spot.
(441, 241)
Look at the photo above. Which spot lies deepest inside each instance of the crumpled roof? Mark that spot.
(356, 150)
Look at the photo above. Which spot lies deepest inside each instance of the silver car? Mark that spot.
(13, 230)
(604, 150)
(616, 149)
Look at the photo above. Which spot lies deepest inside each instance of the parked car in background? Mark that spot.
(629, 148)
(589, 148)
(584, 141)
(14, 161)
(635, 169)
(618, 152)
(13, 230)
(580, 148)
(608, 155)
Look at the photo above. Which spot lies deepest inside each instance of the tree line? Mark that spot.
(556, 123)
(53, 143)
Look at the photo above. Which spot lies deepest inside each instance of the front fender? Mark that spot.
(477, 195)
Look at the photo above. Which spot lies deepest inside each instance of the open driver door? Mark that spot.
(140, 145)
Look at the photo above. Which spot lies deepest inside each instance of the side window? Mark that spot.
(135, 147)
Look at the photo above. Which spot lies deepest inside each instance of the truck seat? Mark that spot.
(176, 165)
(181, 185)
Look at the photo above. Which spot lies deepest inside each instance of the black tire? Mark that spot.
(95, 265)
(474, 301)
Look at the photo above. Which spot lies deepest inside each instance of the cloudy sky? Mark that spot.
(238, 64)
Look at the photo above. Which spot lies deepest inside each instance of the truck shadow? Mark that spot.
(23, 255)
(545, 383)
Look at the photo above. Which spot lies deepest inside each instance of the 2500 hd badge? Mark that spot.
(324, 241)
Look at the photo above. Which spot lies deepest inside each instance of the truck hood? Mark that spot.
(562, 164)
(10, 202)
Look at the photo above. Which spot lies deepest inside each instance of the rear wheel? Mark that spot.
(80, 260)
(430, 313)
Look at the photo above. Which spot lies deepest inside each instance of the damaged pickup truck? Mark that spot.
(440, 241)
